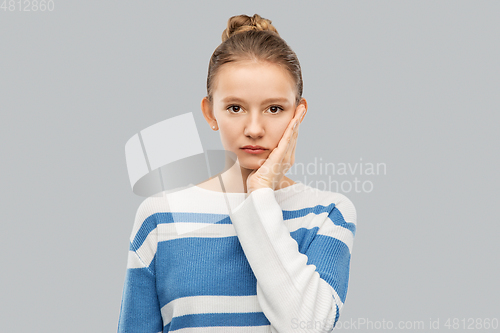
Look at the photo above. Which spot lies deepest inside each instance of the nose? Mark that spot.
(254, 126)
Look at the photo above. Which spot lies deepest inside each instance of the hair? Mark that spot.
(253, 38)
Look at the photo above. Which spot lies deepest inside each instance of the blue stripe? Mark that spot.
(330, 256)
(140, 310)
(193, 266)
(218, 319)
(332, 259)
(147, 226)
(152, 221)
(304, 237)
(337, 315)
(333, 213)
(337, 218)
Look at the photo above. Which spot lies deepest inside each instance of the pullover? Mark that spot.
(207, 261)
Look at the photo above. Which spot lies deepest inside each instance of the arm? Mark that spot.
(140, 308)
(297, 292)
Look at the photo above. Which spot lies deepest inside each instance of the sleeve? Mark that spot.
(299, 292)
(140, 308)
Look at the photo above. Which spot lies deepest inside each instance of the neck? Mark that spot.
(235, 178)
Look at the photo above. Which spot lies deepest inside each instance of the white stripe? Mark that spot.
(148, 207)
(147, 250)
(312, 197)
(342, 234)
(209, 304)
(176, 230)
(169, 231)
(182, 201)
(227, 329)
(133, 260)
(326, 227)
(346, 207)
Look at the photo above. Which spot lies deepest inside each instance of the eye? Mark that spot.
(275, 108)
(236, 108)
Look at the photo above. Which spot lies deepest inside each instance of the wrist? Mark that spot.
(253, 189)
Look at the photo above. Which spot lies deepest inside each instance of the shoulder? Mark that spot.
(338, 202)
(345, 206)
(145, 214)
(162, 203)
(341, 213)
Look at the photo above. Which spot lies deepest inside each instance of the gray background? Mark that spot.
(412, 84)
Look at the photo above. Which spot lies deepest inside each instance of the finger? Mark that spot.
(296, 132)
(291, 146)
(292, 154)
(285, 151)
(279, 153)
(300, 113)
(285, 140)
(292, 135)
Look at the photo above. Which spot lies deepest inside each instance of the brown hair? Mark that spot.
(253, 38)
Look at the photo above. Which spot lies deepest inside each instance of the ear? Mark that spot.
(207, 109)
(301, 107)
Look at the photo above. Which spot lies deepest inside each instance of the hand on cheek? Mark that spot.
(280, 160)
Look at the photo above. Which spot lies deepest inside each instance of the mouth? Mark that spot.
(252, 150)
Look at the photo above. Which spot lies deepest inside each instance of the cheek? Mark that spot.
(228, 134)
(277, 133)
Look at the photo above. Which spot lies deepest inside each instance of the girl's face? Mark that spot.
(253, 103)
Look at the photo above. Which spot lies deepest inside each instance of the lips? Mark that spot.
(253, 151)
(253, 147)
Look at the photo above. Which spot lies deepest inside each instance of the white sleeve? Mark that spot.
(293, 294)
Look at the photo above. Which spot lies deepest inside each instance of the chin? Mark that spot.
(250, 166)
(251, 162)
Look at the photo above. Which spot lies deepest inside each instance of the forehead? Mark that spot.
(253, 80)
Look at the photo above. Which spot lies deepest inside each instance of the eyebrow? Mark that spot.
(272, 99)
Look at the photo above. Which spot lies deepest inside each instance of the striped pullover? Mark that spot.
(207, 261)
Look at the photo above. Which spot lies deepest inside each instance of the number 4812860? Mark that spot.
(27, 5)
(471, 323)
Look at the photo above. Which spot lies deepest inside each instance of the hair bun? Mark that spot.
(242, 23)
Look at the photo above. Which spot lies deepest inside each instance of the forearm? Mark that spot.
(291, 293)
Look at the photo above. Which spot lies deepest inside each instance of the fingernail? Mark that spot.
(295, 125)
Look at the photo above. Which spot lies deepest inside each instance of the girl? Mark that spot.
(249, 250)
